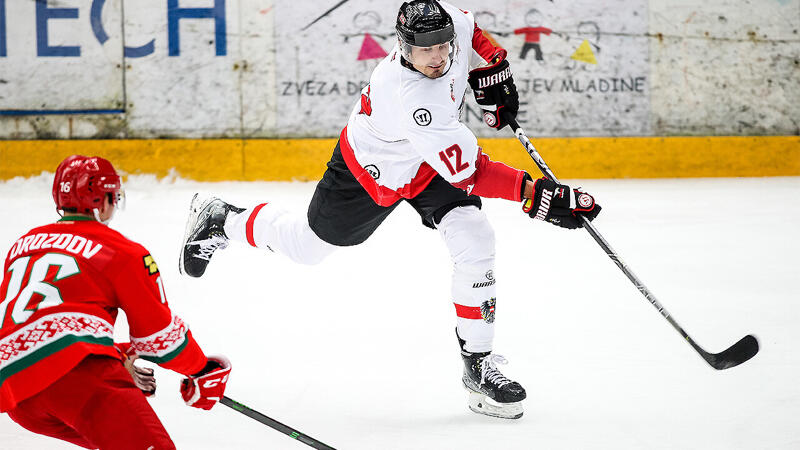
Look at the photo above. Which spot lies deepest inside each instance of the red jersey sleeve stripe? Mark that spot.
(188, 359)
(173, 348)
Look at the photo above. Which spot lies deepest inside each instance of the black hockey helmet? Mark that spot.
(424, 23)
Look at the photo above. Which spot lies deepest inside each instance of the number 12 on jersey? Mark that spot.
(453, 153)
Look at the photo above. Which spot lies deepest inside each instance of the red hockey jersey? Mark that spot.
(62, 286)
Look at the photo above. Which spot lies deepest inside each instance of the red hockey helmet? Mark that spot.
(81, 183)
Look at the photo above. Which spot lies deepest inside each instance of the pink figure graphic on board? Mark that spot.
(370, 49)
(366, 23)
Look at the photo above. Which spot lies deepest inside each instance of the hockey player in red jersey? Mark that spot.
(404, 141)
(61, 374)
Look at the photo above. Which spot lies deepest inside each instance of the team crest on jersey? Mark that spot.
(423, 117)
(373, 171)
(150, 265)
(487, 310)
(452, 89)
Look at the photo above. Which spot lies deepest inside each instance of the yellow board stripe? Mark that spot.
(305, 159)
(657, 157)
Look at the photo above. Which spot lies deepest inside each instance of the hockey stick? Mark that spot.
(274, 424)
(746, 348)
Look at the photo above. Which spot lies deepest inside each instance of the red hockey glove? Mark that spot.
(205, 388)
(553, 203)
(143, 377)
(495, 91)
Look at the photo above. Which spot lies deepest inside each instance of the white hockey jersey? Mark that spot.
(405, 129)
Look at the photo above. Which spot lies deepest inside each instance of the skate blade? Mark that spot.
(195, 206)
(481, 404)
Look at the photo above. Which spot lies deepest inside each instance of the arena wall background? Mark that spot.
(259, 89)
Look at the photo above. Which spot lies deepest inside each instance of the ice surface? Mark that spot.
(359, 351)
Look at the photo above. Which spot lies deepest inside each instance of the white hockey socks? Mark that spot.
(470, 240)
(269, 227)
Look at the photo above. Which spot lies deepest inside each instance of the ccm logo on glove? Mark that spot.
(212, 383)
(204, 389)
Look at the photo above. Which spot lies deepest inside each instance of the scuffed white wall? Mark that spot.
(725, 67)
(33, 54)
(267, 68)
(208, 72)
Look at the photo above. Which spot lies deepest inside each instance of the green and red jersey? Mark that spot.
(63, 284)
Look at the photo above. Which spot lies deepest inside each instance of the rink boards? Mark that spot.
(305, 159)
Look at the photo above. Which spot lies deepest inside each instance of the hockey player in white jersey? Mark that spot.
(404, 141)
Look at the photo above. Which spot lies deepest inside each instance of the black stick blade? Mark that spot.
(746, 348)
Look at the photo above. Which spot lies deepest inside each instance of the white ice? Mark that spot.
(359, 352)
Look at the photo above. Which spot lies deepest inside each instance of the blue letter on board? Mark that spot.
(43, 14)
(175, 14)
(3, 51)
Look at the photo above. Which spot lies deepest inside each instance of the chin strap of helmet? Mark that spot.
(405, 63)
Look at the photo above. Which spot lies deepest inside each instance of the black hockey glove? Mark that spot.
(495, 91)
(553, 203)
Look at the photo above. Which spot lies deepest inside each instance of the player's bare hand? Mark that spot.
(143, 377)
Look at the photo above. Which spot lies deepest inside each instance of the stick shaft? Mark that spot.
(274, 424)
(601, 241)
(741, 351)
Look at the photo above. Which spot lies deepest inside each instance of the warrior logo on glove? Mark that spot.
(494, 78)
(495, 92)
